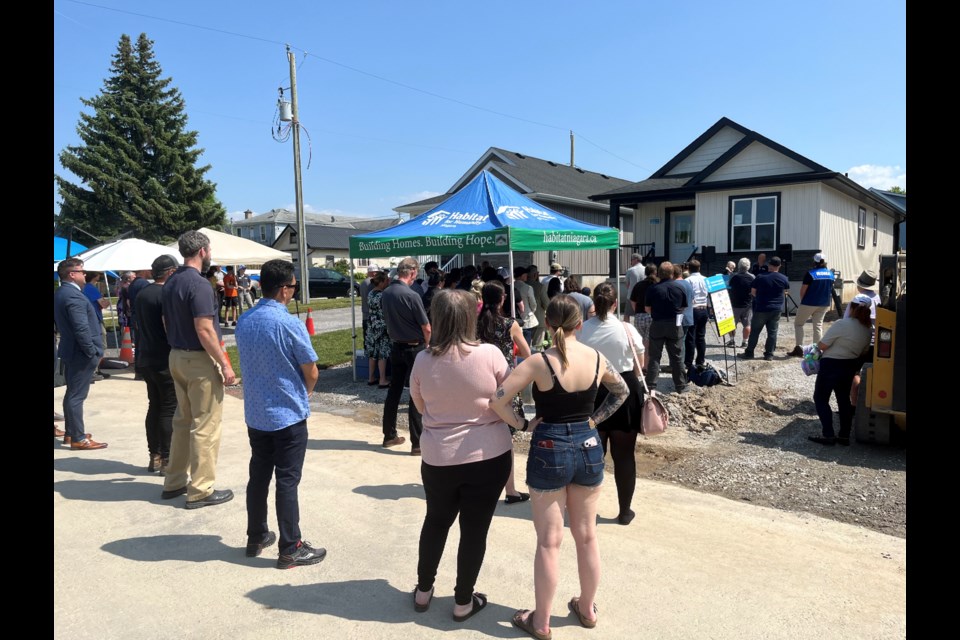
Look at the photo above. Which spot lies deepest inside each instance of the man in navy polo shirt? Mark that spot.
(280, 372)
(816, 294)
(665, 301)
(200, 370)
(767, 291)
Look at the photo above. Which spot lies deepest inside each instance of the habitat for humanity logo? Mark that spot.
(512, 212)
(453, 219)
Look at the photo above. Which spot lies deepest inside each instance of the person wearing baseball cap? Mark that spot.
(153, 365)
(816, 293)
(842, 350)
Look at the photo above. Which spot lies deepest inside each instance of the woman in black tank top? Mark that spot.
(565, 463)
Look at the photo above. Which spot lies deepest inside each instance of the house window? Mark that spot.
(293, 238)
(363, 262)
(754, 223)
(239, 231)
(263, 232)
(862, 228)
(875, 228)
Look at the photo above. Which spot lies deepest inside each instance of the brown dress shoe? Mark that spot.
(87, 443)
(155, 461)
(163, 466)
(58, 433)
(67, 440)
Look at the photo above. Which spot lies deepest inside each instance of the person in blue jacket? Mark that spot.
(816, 294)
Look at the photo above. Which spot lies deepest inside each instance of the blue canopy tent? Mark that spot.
(485, 216)
(60, 248)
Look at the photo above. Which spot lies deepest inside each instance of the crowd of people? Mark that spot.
(442, 331)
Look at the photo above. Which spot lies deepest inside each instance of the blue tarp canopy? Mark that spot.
(60, 248)
(485, 216)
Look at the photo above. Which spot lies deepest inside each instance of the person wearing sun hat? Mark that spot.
(867, 286)
(842, 349)
(816, 292)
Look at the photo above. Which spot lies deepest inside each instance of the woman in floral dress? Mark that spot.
(376, 343)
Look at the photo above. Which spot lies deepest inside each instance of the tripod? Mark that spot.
(786, 306)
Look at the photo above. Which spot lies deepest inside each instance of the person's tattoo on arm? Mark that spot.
(618, 392)
(500, 393)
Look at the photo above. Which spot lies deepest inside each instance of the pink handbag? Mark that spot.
(653, 414)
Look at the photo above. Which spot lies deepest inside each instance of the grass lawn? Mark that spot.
(333, 348)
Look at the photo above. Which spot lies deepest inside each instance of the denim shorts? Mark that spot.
(562, 454)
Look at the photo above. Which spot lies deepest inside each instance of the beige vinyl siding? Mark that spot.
(755, 161)
(709, 151)
(838, 237)
(644, 231)
(797, 209)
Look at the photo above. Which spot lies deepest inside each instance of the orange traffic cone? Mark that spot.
(226, 355)
(126, 346)
(310, 324)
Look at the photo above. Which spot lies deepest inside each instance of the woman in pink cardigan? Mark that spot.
(466, 448)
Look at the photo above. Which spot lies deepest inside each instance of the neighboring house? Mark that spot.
(265, 228)
(326, 244)
(899, 201)
(564, 188)
(733, 193)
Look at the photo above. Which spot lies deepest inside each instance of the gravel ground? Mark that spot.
(744, 442)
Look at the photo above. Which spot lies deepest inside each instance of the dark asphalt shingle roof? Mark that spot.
(653, 184)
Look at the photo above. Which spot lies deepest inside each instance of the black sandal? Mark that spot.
(420, 608)
(521, 497)
(479, 602)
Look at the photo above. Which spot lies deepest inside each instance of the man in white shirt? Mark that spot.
(634, 275)
(697, 336)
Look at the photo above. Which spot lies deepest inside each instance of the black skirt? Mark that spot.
(627, 417)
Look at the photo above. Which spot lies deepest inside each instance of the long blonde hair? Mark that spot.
(453, 319)
(562, 315)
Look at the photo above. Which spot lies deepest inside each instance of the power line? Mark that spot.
(359, 71)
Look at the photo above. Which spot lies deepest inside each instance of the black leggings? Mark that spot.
(472, 490)
(622, 446)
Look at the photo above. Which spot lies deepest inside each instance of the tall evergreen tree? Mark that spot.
(137, 162)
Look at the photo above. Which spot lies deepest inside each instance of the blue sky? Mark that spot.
(398, 99)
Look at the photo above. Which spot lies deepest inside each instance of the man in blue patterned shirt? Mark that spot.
(279, 373)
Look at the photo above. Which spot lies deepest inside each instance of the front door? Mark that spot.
(681, 241)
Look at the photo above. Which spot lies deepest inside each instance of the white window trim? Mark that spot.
(876, 227)
(861, 228)
(753, 221)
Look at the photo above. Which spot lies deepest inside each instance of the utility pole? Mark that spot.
(304, 276)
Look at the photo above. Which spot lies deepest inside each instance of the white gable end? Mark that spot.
(709, 151)
(755, 161)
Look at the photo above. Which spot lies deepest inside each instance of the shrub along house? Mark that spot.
(733, 193)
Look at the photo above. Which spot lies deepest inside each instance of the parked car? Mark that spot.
(327, 283)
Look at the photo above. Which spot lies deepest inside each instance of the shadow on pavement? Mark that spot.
(98, 466)
(391, 491)
(185, 548)
(114, 490)
(378, 601)
(341, 445)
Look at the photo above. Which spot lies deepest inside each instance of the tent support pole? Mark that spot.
(513, 289)
(616, 283)
(353, 318)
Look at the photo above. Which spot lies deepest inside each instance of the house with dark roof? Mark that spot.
(899, 201)
(565, 188)
(266, 228)
(734, 193)
(326, 244)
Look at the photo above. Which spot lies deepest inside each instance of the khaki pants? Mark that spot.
(195, 443)
(806, 312)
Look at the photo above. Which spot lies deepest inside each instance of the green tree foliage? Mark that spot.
(342, 266)
(137, 164)
(896, 189)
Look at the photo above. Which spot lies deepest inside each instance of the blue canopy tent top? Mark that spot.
(485, 216)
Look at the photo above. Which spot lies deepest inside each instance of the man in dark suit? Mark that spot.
(81, 348)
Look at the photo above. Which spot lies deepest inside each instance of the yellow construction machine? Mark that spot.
(881, 411)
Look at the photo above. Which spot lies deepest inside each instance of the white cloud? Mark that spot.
(415, 197)
(871, 175)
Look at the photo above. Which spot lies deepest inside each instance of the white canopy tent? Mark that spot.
(129, 254)
(228, 249)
